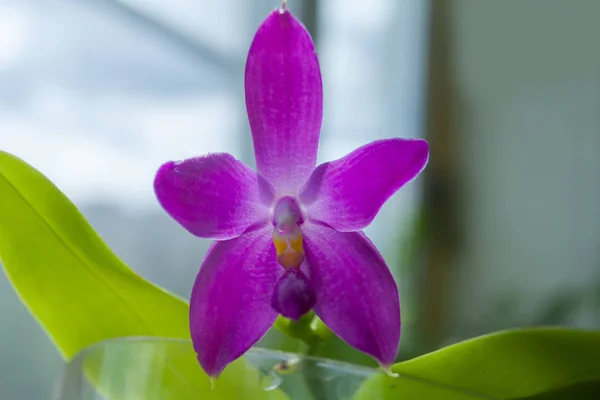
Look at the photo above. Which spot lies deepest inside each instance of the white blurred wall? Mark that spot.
(528, 93)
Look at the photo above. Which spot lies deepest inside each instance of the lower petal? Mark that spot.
(230, 307)
(356, 294)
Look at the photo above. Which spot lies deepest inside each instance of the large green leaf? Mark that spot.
(78, 290)
(538, 363)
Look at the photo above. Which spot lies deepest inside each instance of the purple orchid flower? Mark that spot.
(288, 238)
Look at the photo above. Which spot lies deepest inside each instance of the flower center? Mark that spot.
(287, 235)
(293, 295)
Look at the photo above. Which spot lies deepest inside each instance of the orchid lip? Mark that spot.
(294, 295)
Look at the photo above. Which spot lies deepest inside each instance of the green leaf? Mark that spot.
(77, 289)
(537, 363)
(144, 369)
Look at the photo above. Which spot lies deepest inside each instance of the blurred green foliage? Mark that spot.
(538, 363)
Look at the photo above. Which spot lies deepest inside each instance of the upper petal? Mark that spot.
(284, 99)
(230, 306)
(346, 194)
(215, 196)
(357, 297)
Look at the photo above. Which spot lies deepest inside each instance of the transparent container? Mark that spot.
(167, 369)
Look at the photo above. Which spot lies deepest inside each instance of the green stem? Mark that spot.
(313, 332)
(309, 329)
(319, 328)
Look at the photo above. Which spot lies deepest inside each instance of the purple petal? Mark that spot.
(284, 99)
(347, 194)
(294, 295)
(356, 294)
(215, 196)
(230, 307)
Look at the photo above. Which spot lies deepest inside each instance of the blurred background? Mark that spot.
(502, 230)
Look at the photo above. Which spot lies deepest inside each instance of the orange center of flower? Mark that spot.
(287, 235)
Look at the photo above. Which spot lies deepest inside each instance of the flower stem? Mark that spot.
(313, 332)
(320, 329)
(309, 329)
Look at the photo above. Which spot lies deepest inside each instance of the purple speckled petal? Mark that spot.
(215, 196)
(284, 99)
(356, 294)
(230, 307)
(347, 194)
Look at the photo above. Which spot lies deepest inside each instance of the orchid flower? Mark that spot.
(288, 238)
